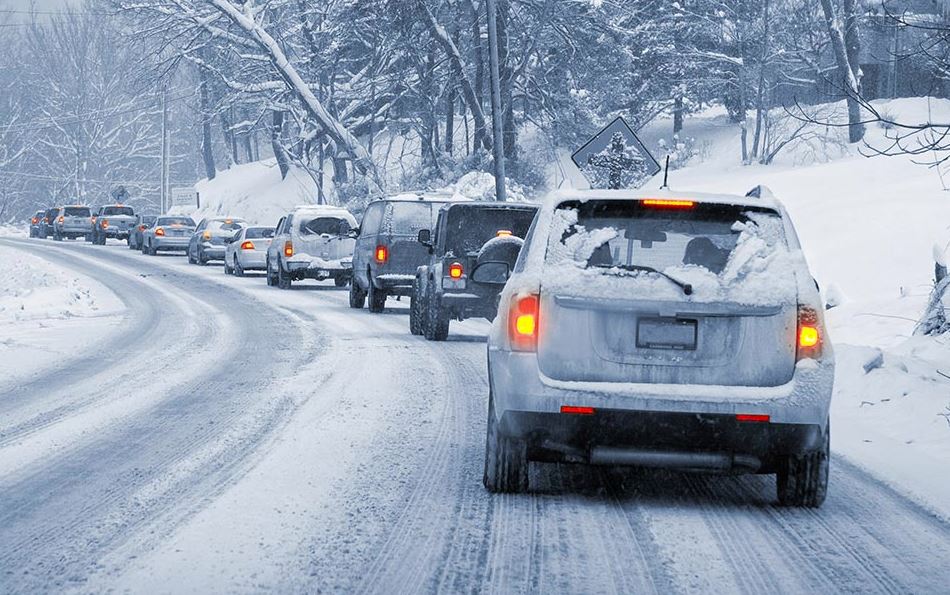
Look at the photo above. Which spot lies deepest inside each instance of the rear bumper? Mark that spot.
(213, 251)
(120, 234)
(681, 418)
(250, 259)
(395, 284)
(318, 268)
(168, 243)
(463, 305)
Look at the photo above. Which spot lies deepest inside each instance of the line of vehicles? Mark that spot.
(658, 329)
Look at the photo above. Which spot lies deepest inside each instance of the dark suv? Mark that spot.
(387, 251)
(474, 246)
(46, 225)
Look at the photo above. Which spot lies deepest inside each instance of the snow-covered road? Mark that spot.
(235, 437)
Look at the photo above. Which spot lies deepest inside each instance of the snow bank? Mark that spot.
(14, 231)
(253, 191)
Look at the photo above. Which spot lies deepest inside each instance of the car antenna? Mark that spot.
(666, 175)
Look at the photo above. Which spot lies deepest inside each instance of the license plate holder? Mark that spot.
(678, 334)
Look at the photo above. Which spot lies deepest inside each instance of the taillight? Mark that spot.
(523, 323)
(159, 231)
(662, 203)
(206, 235)
(575, 410)
(288, 249)
(456, 270)
(34, 220)
(503, 233)
(753, 417)
(105, 223)
(141, 228)
(248, 245)
(809, 333)
(61, 218)
(382, 254)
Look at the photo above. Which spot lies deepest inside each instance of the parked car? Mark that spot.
(72, 222)
(312, 242)
(466, 235)
(46, 226)
(168, 234)
(247, 251)
(113, 221)
(136, 235)
(36, 224)
(387, 251)
(662, 330)
(211, 237)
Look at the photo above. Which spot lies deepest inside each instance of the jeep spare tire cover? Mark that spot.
(500, 249)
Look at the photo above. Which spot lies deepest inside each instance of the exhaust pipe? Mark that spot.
(603, 455)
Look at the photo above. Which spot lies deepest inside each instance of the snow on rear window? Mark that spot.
(117, 211)
(407, 218)
(326, 224)
(620, 249)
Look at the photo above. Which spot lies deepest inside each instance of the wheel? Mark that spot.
(506, 459)
(152, 250)
(237, 270)
(802, 480)
(271, 278)
(415, 309)
(437, 321)
(143, 249)
(191, 259)
(131, 244)
(340, 280)
(376, 298)
(357, 295)
(57, 237)
(228, 269)
(88, 237)
(201, 257)
(283, 277)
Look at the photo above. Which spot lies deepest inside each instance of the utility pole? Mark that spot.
(165, 151)
(498, 147)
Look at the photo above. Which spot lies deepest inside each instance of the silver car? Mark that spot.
(74, 221)
(660, 330)
(312, 242)
(211, 237)
(169, 233)
(247, 251)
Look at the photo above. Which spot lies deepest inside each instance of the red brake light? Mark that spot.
(574, 410)
(248, 245)
(105, 223)
(382, 254)
(754, 417)
(61, 218)
(523, 323)
(34, 221)
(159, 231)
(503, 233)
(206, 235)
(141, 228)
(662, 203)
(809, 334)
(456, 270)
(288, 249)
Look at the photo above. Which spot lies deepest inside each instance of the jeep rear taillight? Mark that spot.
(523, 322)
(456, 270)
(288, 249)
(382, 254)
(809, 334)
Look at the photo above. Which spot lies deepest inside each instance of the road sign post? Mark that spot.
(615, 158)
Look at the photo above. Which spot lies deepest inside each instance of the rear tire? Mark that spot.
(152, 251)
(340, 280)
(437, 321)
(416, 311)
(357, 296)
(228, 270)
(506, 459)
(802, 480)
(237, 270)
(283, 278)
(202, 261)
(376, 298)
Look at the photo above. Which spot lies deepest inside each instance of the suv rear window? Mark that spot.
(714, 248)
(407, 218)
(115, 211)
(324, 225)
(77, 211)
(468, 228)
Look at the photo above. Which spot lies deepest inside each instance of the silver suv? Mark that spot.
(312, 242)
(661, 330)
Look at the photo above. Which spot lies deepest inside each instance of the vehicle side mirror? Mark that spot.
(425, 237)
(491, 272)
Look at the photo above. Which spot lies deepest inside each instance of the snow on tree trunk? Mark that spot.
(846, 72)
(334, 129)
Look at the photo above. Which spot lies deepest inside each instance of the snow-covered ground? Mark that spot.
(48, 312)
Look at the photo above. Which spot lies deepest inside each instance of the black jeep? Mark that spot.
(472, 249)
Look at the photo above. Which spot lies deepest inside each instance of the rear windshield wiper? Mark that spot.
(686, 287)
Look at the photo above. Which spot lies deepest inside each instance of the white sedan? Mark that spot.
(247, 251)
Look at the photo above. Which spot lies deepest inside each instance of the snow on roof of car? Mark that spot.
(560, 196)
(424, 195)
